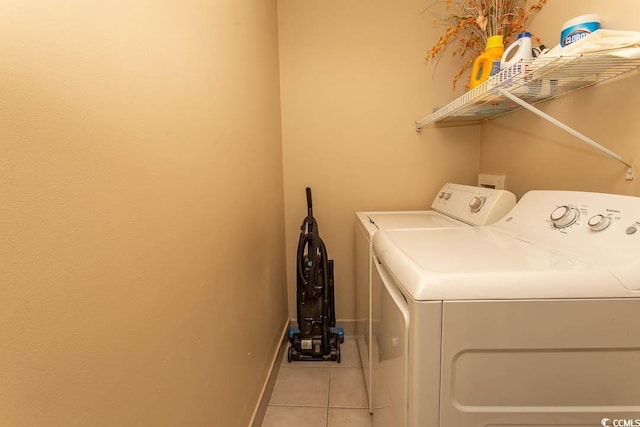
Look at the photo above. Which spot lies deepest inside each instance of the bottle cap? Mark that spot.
(525, 34)
(495, 41)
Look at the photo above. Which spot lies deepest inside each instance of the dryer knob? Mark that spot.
(441, 195)
(476, 203)
(564, 216)
(599, 222)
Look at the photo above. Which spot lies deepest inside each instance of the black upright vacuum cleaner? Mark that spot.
(316, 337)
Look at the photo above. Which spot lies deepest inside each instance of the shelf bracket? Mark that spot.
(630, 167)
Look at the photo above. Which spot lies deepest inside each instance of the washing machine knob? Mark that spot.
(476, 203)
(563, 216)
(447, 196)
(599, 222)
(441, 195)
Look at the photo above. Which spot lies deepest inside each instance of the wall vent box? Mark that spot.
(491, 181)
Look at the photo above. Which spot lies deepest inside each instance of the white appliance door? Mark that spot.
(390, 349)
(541, 363)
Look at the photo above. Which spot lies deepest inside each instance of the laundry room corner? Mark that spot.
(353, 81)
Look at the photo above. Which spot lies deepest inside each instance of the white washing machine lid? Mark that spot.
(450, 208)
(371, 222)
(416, 219)
(488, 263)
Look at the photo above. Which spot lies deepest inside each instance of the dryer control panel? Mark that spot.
(473, 205)
(600, 229)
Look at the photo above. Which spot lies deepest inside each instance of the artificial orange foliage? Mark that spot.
(469, 23)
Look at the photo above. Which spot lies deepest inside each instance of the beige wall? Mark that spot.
(353, 82)
(142, 271)
(536, 155)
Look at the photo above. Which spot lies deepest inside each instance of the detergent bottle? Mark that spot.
(519, 50)
(484, 64)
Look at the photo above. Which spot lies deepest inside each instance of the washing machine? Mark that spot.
(531, 321)
(455, 205)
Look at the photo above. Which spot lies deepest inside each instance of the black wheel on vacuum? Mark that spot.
(289, 355)
(338, 354)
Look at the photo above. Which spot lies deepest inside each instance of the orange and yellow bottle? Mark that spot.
(483, 65)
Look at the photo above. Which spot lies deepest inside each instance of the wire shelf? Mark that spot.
(533, 82)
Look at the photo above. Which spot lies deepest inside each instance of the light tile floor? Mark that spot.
(320, 394)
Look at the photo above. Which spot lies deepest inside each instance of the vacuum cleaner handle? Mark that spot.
(309, 203)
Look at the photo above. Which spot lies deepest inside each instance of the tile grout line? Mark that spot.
(329, 398)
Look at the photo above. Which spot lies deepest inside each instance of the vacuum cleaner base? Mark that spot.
(310, 349)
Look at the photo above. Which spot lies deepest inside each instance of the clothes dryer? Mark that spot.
(531, 321)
